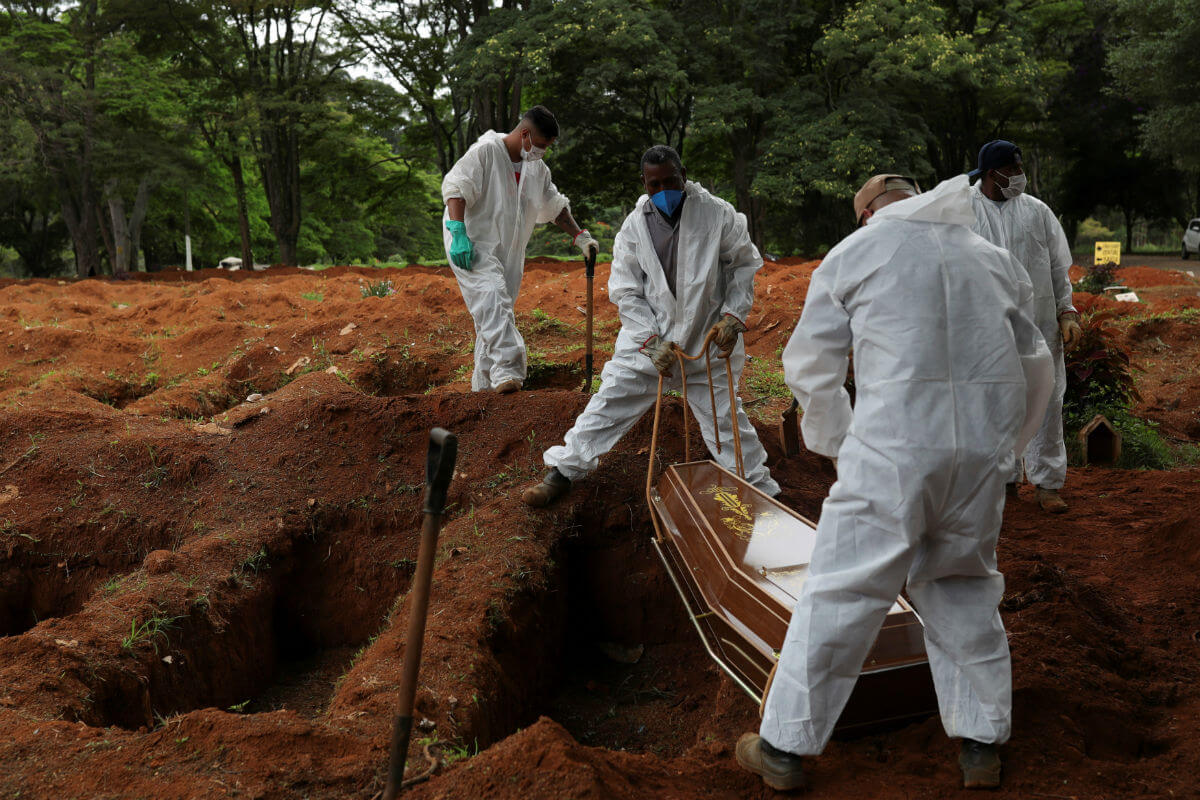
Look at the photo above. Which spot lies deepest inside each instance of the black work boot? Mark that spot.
(980, 764)
(552, 487)
(779, 769)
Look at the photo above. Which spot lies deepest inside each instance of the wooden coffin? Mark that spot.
(738, 559)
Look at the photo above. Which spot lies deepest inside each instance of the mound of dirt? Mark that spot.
(204, 595)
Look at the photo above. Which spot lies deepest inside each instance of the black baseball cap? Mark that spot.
(995, 154)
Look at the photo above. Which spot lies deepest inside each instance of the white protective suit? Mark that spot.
(500, 217)
(947, 365)
(1027, 228)
(716, 262)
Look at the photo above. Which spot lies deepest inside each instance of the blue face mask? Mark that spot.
(667, 200)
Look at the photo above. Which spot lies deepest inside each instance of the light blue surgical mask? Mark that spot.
(667, 200)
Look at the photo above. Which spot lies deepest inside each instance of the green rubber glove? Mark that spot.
(461, 248)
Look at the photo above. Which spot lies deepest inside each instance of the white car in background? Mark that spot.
(1191, 238)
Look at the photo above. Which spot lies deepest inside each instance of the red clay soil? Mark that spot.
(205, 596)
(1142, 277)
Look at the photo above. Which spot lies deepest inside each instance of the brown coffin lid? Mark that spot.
(744, 556)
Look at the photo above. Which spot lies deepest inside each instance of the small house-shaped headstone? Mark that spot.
(1100, 442)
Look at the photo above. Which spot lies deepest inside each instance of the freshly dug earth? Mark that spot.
(204, 596)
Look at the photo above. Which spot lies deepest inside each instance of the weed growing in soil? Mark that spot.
(256, 562)
(451, 752)
(150, 631)
(153, 477)
(377, 289)
(316, 297)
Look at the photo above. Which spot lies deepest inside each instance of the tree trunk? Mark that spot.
(81, 225)
(279, 165)
(140, 205)
(1128, 212)
(34, 247)
(117, 236)
(743, 147)
(239, 191)
(107, 237)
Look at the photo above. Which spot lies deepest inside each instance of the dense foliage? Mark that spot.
(318, 130)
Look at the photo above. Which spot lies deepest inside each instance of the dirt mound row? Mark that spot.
(217, 609)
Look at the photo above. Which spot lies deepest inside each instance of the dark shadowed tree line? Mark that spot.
(318, 130)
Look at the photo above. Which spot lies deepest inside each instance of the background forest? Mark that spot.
(318, 132)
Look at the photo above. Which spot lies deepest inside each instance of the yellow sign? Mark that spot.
(1108, 253)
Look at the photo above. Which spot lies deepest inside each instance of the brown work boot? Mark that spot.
(552, 487)
(779, 769)
(509, 386)
(980, 764)
(1050, 501)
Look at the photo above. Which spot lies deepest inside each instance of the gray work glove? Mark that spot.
(661, 353)
(727, 331)
(587, 244)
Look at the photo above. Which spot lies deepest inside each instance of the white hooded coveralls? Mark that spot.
(947, 365)
(1027, 228)
(500, 216)
(716, 262)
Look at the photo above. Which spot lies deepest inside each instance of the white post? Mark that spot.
(187, 251)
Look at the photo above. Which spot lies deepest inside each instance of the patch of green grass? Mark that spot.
(763, 382)
(1142, 446)
(316, 297)
(1169, 315)
(544, 323)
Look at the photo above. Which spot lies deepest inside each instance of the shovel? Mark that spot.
(789, 433)
(589, 264)
(439, 468)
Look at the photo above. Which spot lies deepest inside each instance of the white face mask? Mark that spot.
(1015, 187)
(533, 153)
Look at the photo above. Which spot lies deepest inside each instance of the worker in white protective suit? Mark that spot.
(683, 265)
(1026, 227)
(950, 373)
(495, 195)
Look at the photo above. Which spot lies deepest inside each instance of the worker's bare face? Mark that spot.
(656, 177)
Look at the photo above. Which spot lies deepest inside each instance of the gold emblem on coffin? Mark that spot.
(738, 515)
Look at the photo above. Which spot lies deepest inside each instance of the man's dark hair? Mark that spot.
(661, 154)
(541, 118)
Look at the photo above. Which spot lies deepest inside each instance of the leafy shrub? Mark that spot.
(1099, 373)
(1096, 277)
